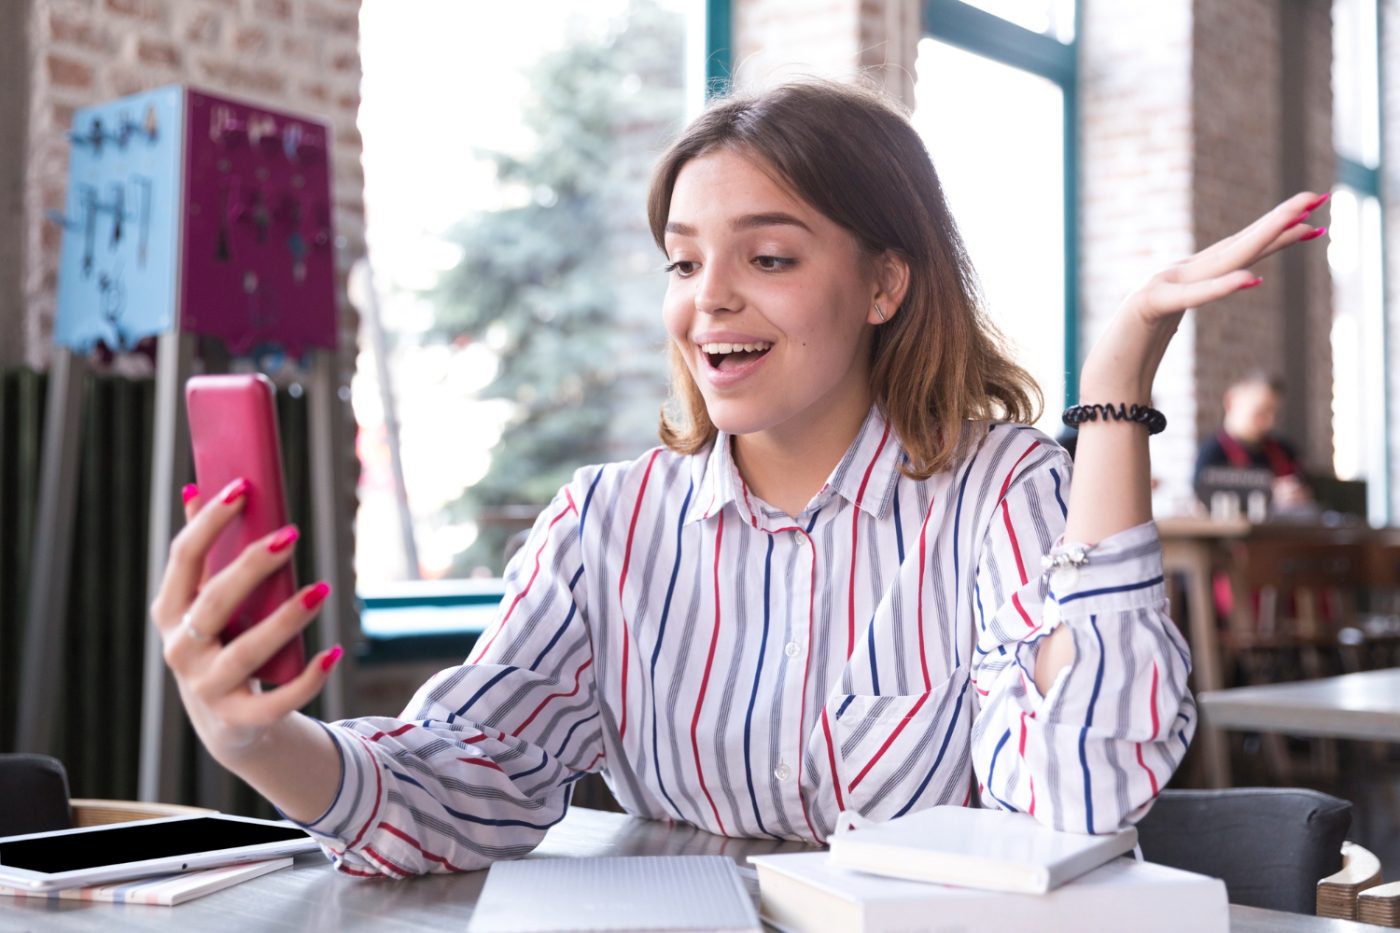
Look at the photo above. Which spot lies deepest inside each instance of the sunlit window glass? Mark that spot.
(506, 152)
(1354, 256)
(997, 141)
(1355, 81)
(1054, 18)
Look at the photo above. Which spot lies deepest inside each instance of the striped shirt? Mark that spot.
(754, 673)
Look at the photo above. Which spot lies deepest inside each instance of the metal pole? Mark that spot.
(162, 731)
(46, 617)
(324, 517)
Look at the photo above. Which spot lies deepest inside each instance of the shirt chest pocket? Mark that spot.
(902, 751)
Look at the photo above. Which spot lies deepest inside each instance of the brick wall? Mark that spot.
(1237, 175)
(1136, 160)
(14, 114)
(1251, 150)
(1183, 138)
(777, 38)
(1315, 157)
(1390, 197)
(838, 39)
(298, 55)
(888, 44)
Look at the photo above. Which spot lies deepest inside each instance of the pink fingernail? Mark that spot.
(1318, 203)
(189, 492)
(1314, 235)
(283, 539)
(237, 491)
(315, 596)
(1251, 284)
(1299, 219)
(329, 661)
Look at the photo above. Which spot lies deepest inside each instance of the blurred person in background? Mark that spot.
(1246, 439)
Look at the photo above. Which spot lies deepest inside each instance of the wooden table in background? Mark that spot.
(1193, 548)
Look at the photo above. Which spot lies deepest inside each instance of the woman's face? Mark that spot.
(768, 301)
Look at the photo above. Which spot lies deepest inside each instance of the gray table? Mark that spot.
(309, 896)
(1353, 706)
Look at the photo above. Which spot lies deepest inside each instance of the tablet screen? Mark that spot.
(76, 851)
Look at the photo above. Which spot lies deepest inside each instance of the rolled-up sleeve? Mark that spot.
(1092, 754)
(483, 759)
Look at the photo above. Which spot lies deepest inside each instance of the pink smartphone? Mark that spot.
(233, 430)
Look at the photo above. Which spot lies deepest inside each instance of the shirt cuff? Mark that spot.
(1121, 572)
(360, 797)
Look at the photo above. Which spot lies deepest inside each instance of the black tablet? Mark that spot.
(99, 854)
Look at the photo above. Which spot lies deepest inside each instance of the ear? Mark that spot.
(891, 282)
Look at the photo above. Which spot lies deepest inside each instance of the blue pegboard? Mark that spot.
(119, 264)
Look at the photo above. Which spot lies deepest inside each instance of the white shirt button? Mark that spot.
(782, 772)
(792, 649)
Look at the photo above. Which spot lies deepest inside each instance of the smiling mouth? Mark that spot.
(724, 356)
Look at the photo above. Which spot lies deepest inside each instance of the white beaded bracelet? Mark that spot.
(1065, 562)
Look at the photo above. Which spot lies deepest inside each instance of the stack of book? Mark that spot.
(982, 870)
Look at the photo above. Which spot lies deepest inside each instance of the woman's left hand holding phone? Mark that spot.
(258, 734)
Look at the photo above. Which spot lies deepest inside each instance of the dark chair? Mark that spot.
(34, 799)
(33, 794)
(1269, 845)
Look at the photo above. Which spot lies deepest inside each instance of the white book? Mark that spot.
(993, 849)
(805, 893)
(695, 893)
(163, 890)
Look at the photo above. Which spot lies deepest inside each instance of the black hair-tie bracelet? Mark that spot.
(1151, 418)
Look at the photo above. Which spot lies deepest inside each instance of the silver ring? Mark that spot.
(187, 628)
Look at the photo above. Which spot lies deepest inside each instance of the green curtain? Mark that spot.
(99, 708)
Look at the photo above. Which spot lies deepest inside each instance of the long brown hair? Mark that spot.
(854, 157)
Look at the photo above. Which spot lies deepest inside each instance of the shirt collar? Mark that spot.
(719, 482)
(866, 475)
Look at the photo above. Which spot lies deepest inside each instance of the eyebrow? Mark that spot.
(746, 222)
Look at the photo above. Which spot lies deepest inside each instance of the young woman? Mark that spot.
(853, 578)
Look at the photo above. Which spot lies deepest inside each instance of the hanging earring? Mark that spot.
(879, 313)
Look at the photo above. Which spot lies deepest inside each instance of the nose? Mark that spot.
(715, 292)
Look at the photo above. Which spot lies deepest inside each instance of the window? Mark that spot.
(507, 150)
(1354, 254)
(1054, 18)
(995, 106)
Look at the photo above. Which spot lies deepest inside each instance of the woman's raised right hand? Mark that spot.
(230, 711)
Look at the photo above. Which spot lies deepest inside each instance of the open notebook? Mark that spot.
(653, 892)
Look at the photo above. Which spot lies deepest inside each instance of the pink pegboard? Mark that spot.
(257, 265)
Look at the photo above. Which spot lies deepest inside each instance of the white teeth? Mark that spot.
(734, 347)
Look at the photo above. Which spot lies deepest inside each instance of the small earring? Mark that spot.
(879, 313)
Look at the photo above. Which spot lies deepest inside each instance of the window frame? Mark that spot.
(981, 33)
(719, 41)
